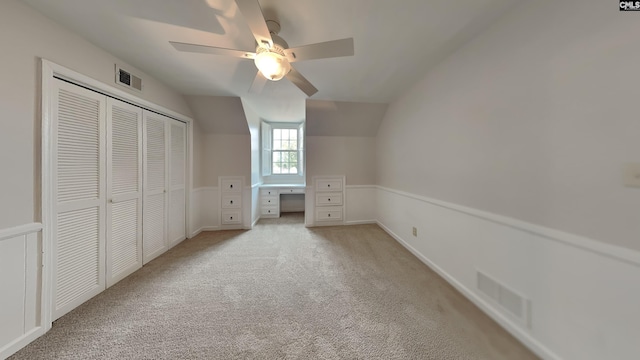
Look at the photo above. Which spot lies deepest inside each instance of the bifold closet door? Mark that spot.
(78, 186)
(156, 138)
(177, 195)
(124, 190)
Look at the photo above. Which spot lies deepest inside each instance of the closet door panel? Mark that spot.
(155, 186)
(124, 189)
(177, 205)
(79, 191)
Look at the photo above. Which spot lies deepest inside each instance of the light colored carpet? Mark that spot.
(280, 291)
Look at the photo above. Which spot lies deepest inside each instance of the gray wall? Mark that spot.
(26, 36)
(532, 120)
(353, 156)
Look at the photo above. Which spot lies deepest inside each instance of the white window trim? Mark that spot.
(267, 176)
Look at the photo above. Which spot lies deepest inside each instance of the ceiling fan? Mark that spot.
(273, 57)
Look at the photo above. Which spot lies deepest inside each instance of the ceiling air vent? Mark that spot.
(127, 79)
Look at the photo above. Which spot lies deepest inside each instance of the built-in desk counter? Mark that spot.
(270, 197)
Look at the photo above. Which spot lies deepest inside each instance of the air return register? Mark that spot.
(127, 79)
(514, 304)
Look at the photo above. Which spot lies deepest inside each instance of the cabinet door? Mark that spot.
(78, 164)
(177, 194)
(155, 186)
(124, 190)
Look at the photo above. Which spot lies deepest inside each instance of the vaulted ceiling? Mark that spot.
(396, 42)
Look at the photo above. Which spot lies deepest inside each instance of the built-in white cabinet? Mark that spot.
(231, 188)
(165, 180)
(270, 203)
(117, 191)
(79, 196)
(124, 190)
(155, 186)
(329, 200)
(177, 220)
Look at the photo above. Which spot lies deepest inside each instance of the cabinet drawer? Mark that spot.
(329, 213)
(231, 201)
(270, 200)
(231, 185)
(231, 217)
(328, 198)
(292, 191)
(267, 211)
(329, 185)
(268, 192)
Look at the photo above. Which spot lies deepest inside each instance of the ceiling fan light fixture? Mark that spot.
(272, 65)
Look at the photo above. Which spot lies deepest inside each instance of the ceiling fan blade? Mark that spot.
(258, 83)
(301, 82)
(205, 49)
(252, 13)
(329, 49)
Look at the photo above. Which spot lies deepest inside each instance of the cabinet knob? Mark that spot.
(328, 185)
(230, 217)
(231, 186)
(329, 199)
(268, 200)
(269, 211)
(329, 215)
(291, 190)
(231, 202)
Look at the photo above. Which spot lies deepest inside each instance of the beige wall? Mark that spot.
(532, 120)
(198, 155)
(25, 37)
(253, 121)
(342, 155)
(226, 155)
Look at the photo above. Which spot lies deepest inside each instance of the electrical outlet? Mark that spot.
(415, 231)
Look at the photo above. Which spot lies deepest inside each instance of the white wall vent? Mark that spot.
(127, 79)
(513, 303)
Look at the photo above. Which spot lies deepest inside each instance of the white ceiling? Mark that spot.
(396, 42)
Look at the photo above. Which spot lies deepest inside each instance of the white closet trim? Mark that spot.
(50, 71)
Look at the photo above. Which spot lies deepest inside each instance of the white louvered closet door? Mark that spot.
(79, 196)
(177, 181)
(155, 207)
(124, 190)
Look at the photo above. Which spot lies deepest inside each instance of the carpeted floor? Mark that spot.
(280, 291)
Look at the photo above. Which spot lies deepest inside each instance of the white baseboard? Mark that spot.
(204, 228)
(505, 322)
(360, 222)
(210, 228)
(21, 342)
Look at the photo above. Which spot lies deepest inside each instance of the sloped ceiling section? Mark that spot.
(219, 114)
(276, 109)
(396, 42)
(339, 118)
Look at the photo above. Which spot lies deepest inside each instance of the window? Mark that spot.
(282, 149)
